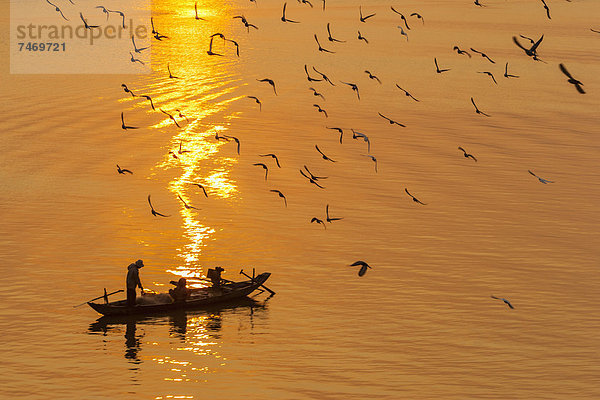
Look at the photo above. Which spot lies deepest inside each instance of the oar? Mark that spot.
(263, 286)
(105, 295)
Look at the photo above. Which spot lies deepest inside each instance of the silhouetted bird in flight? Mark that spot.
(406, 93)
(321, 47)
(59, 10)
(418, 16)
(371, 76)
(542, 180)
(361, 37)
(283, 17)
(156, 34)
(245, 22)
(477, 110)
(280, 195)
(547, 9)
(134, 60)
(170, 116)
(236, 140)
(181, 151)
(315, 93)
(459, 51)
(354, 88)
(391, 121)
(210, 52)
(489, 74)
(272, 156)
(437, 68)
(356, 135)
(203, 189)
(135, 48)
(414, 198)
(310, 78)
(125, 127)
(86, 24)
(126, 90)
(330, 219)
(401, 17)
(154, 212)
(104, 10)
(402, 32)
(363, 267)
(264, 167)
(257, 101)
(186, 205)
(121, 14)
(331, 38)
(123, 170)
(324, 76)
(467, 155)
(483, 55)
(477, 3)
(506, 74)
(270, 82)
(340, 130)
(504, 300)
(170, 74)
(578, 85)
(372, 159)
(321, 110)
(323, 154)
(364, 19)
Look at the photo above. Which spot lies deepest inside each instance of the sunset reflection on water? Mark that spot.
(202, 92)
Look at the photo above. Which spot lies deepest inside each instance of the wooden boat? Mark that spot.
(199, 298)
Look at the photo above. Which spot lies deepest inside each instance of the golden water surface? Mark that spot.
(420, 324)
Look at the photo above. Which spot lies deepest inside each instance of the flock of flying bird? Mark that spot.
(318, 76)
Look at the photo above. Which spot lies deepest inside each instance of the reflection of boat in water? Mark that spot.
(177, 318)
(200, 329)
(199, 298)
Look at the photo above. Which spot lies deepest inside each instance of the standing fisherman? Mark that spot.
(133, 281)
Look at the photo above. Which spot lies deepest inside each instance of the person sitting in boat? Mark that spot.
(133, 281)
(181, 292)
(215, 276)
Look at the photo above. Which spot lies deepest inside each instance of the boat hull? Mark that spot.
(200, 299)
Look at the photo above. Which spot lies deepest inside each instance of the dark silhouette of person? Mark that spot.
(215, 276)
(181, 292)
(133, 281)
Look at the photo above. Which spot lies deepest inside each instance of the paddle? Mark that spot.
(105, 296)
(263, 286)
